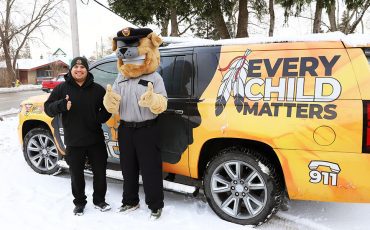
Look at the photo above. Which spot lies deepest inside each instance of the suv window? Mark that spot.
(176, 72)
(105, 73)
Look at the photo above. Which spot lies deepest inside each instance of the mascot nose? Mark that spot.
(123, 50)
(131, 52)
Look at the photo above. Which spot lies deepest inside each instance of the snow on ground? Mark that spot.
(20, 88)
(33, 201)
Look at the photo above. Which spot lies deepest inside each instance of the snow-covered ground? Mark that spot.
(41, 202)
(20, 88)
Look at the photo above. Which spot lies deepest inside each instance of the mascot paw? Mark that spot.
(111, 100)
(146, 99)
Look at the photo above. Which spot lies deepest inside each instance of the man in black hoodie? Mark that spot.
(80, 101)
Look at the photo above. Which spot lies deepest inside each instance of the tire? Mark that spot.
(40, 151)
(247, 196)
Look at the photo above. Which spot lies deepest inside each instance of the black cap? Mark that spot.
(131, 35)
(79, 60)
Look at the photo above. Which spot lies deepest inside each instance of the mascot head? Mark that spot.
(137, 51)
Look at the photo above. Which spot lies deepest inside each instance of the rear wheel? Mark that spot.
(242, 187)
(40, 151)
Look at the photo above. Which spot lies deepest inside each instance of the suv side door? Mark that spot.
(176, 69)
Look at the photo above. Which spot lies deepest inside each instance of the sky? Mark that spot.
(97, 24)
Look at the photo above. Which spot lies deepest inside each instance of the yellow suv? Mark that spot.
(247, 122)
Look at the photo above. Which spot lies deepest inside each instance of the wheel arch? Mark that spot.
(213, 146)
(28, 125)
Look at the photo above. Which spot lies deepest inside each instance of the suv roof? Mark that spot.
(351, 40)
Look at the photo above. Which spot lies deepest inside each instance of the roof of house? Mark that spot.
(59, 51)
(31, 64)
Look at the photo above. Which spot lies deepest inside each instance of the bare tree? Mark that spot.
(16, 27)
(56, 68)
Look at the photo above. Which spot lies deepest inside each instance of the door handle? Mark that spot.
(175, 111)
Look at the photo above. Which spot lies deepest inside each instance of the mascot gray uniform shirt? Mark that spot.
(131, 89)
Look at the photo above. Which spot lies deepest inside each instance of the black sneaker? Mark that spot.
(156, 214)
(103, 206)
(79, 210)
(128, 208)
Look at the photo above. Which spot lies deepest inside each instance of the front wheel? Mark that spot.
(40, 151)
(242, 187)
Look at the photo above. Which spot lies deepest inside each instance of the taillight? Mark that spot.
(368, 128)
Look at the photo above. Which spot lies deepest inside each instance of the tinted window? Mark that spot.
(367, 54)
(176, 73)
(105, 73)
(207, 64)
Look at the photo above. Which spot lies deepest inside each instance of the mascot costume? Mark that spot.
(138, 95)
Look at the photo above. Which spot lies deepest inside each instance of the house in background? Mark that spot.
(33, 71)
(59, 53)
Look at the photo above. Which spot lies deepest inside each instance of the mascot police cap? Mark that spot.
(131, 35)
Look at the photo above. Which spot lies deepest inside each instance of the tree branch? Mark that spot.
(184, 31)
(364, 9)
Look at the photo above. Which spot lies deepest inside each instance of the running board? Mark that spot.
(167, 185)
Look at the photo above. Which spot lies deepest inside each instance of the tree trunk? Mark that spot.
(10, 73)
(272, 18)
(317, 20)
(174, 24)
(242, 30)
(164, 27)
(331, 14)
(219, 20)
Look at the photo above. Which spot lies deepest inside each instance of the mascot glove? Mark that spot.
(155, 102)
(111, 100)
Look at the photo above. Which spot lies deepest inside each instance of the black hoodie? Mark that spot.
(82, 123)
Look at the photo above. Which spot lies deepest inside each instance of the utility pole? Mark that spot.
(74, 28)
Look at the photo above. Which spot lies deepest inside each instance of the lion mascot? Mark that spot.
(138, 95)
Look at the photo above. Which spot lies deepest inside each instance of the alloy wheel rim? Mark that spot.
(42, 152)
(238, 189)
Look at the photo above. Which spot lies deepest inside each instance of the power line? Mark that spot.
(101, 4)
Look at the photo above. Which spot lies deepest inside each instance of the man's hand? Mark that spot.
(147, 98)
(69, 103)
(111, 100)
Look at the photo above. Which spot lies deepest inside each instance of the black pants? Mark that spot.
(76, 158)
(139, 151)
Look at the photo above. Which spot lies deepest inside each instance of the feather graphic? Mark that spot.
(238, 89)
(234, 80)
(223, 95)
